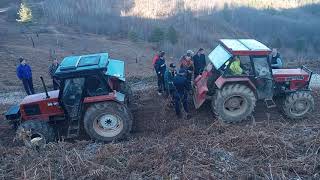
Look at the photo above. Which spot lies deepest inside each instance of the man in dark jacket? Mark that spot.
(160, 67)
(52, 69)
(181, 94)
(25, 75)
(276, 61)
(199, 62)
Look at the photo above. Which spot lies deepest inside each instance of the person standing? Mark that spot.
(199, 62)
(181, 92)
(168, 79)
(276, 61)
(52, 69)
(160, 68)
(24, 73)
(156, 57)
(187, 64)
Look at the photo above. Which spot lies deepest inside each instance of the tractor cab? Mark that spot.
(253, 66)
(242, 66)
(88, 79)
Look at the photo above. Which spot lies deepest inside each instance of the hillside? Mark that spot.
(285, 24)
(267, 145)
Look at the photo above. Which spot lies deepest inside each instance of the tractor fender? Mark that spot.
(114, 96)
(221, 81)
(13, 113)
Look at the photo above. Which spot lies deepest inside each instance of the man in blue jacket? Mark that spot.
(25, 75)
(160, 67)
(181, 94)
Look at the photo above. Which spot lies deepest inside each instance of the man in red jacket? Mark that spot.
(156, 57)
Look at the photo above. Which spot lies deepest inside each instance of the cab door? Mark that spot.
(72, 97)
(263, 77)
(200, 87)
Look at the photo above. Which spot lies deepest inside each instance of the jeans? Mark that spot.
(170, 94)
(161, 85)
(28, 86)
(178, 99)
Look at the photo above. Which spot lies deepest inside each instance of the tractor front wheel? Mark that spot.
(298, 104)
(234, 103)
(35, 133)
(107, 121)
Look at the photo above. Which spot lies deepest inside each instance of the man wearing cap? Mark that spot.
(168, 79)
(160, 67)
(199, 62)
(181, 92)
(24, 73)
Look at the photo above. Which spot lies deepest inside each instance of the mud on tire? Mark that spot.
(297, 105)
(107, 121)
(234, 103)
(31, 129)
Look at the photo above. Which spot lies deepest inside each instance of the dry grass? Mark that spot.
(268, 148)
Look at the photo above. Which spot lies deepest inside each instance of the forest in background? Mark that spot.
(177, 25)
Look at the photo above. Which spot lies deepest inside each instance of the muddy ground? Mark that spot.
(267, 146)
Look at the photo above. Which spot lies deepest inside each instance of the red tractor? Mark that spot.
(234, 95)
(92, 95)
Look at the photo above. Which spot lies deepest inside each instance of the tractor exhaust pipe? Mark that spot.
(45, 87)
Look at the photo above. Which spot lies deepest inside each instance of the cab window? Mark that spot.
(96, 87)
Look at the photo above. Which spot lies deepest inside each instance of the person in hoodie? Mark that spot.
(160, 68)
(24, 73)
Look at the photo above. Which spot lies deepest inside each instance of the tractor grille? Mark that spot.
(31, 110)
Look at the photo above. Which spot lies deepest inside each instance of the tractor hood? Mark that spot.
(281, 75)
(39, 97)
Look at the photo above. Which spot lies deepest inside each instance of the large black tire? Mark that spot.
(297, 105)
(29, 130)
(107, 121)
(233, 103)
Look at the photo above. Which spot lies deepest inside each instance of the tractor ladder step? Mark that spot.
(270, 103)
(74, 128)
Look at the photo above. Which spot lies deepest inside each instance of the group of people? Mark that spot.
(24, 73)
(176, 83)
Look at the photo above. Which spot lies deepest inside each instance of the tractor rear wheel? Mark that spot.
(234, 103)
(107, 121)
(297, 105)
(35, 133)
